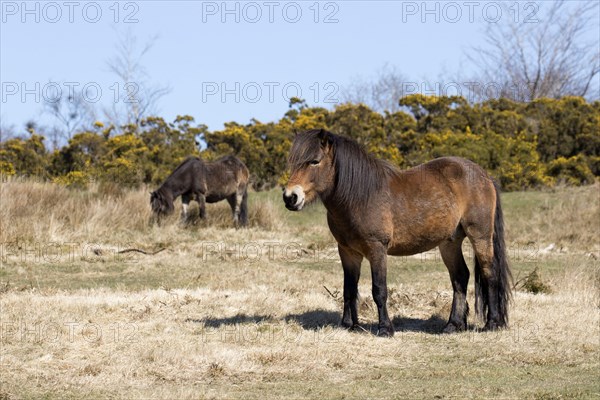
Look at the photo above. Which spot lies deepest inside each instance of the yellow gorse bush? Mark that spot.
(523, 145)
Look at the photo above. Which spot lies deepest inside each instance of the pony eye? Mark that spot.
(314, 162)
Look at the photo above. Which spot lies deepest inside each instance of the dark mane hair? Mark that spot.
(185, 162)
(161, 200)
(358, 174)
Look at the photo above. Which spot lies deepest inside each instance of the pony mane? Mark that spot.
(186, 162)
(178, 169)
(358, 174)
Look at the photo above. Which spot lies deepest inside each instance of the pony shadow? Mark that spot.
(317, 319)
(236, 319)
(310, 320)
(432, 325)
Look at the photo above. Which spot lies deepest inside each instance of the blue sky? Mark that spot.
(202, 49)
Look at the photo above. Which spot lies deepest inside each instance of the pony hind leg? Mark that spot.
(201, 199)
(238, 203)
(452, 255)
(235, 209)
(243, 204)
(486, 283)
(493, 278)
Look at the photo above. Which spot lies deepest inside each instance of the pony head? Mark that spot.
(312, 169)
(161, 204)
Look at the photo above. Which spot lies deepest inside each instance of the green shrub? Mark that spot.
(533, 283)
(572, 171)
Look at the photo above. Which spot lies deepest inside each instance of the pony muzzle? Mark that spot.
(294, 198)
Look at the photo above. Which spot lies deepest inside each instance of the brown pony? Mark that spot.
(374, 210)
(205, 182)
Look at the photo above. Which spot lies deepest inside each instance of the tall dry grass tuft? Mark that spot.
(36, 211)
(565, 217)
(263, 215)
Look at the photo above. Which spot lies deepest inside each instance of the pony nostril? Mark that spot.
(290, 199)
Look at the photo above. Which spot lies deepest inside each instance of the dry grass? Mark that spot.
(42, 212)
(225, 313)
(566, 217)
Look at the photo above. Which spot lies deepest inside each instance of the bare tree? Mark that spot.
(7, 132)
(381, 94)
(546, 55)
(136, 97)
(71, 112)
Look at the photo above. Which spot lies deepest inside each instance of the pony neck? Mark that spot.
(170, 192)
(336, 206)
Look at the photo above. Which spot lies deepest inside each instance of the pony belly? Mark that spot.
(214, 198)
(410, 249)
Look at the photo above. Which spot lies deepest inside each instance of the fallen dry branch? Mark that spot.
(100, 252)
(334, 294)
(141, 251)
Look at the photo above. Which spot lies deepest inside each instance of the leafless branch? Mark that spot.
(137, 96)
(550, 58)
(71, 113)
(381, 94)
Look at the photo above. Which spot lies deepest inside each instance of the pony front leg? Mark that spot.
(378, 260)
(185, 202)
(351, 263)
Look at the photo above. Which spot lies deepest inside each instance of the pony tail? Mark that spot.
(500, 263)
(500, 269)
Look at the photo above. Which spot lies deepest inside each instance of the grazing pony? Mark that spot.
(374, 210)
(205, 182)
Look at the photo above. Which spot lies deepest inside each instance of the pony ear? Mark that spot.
(325, 137)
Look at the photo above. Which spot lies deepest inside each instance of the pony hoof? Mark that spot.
(452, 328)
(351, 327)
(347, 324)
(492, 326)
(357, 328)
(385, 332)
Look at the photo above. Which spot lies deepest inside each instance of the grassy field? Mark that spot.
(254, 313)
